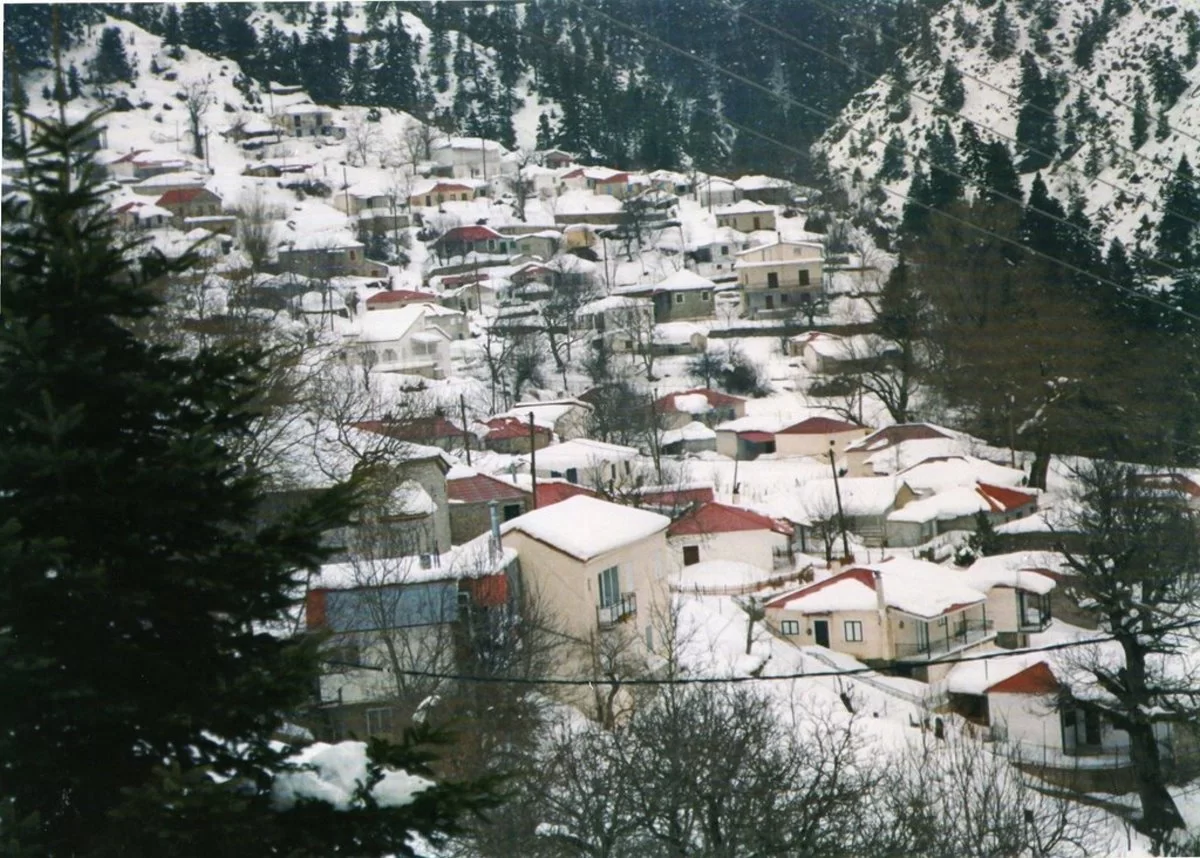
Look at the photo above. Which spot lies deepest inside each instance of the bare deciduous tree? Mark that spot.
(197, 98)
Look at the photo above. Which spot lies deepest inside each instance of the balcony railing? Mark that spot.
(945, 639)
(625, 607)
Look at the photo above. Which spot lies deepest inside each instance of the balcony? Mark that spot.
(619, 611)
(1033, 612)
(945, 639)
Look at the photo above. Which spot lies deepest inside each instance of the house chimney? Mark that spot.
(880, 602)
(494, 515)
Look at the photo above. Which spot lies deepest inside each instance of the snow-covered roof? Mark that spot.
(861, 496)
(694, 431)
(614, 302)
(771, 423)
(683, 280)
(330, 239)
(472, 144)
(1018, 570)
(941, 473)
(387, 327)
(914, 587)
(976, 677)
(181, 177)
(473, 559)
(743, 207)
(757, 182)
(585, 527)
(579, 453)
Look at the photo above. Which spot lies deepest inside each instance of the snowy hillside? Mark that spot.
(1125, 93)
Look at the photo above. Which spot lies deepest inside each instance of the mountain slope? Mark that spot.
(1093, 63)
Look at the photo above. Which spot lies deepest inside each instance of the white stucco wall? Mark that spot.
(745, 546)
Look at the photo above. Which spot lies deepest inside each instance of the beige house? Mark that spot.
(407, 341)
(900, 613)
(440, 191)
(896, 447)
(780, 278)
(1018, 597)
(594, 566)
(816, 436)
(582, 461)
(746, 216)
(717, 531)
(325, 255)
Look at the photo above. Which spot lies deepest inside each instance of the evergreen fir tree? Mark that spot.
(1000, 176)
(111, 63)
(951, 91)
(1037, 127)
(1162, 128)
(1004, 34)
(142, 688)
(74, 83)
(891, 166)
(200, 28)
(1181, 212)
(941, 152)
(172, 29)
(917, 217)
(1041, 225)
(358, 83)
(545, 132)
(1140, 120)
(984, 542)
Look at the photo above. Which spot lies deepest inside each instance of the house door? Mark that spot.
(757, 224)
(770, 302)
(922, 637)
(691, 555)
(821, 632)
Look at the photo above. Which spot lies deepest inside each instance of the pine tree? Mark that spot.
(172, 29)
(950, 91)
(1037, 127)
(917, 217)
(1181, 212)
(545, 132)
(945, 184)
(891, 166)
(1041, 226)
(1004, 34)
(1140, 120)
(1000, 176)
(111, 64)
(142, 688)
(200, 29)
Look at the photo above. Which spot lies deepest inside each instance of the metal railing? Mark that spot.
(943, 639)
(622, 609)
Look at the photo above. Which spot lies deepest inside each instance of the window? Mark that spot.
(772, 280)
(610, 587)
(790, 627)
(852, 631)
(678, 297)
(379, 721)
(572, 475)
(705, 295)
(511, 511)
(389, 355)
(691, 555)
(803, 276)
(724, 249)
(351, 255)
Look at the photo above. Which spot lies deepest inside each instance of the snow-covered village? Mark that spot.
(605, 429)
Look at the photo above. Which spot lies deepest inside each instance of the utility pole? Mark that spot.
(837, 492)
(462, 410)
(345, 189)
(533, 460)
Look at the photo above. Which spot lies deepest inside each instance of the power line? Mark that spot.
(962, 221)
(732, 680)
(911, 91)
(1010, 95)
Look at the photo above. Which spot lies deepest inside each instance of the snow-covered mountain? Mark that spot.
(1121, 78)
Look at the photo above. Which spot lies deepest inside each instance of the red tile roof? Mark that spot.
(715, 398)
(503, 428)
(453, 280)
(863, 576)
(180, 196)
(819, 426)
(469, 233)
(756, 437)
(676, 497)
(444, 186)
(900, 432)
(418, 430)
(549, 493)
(481, 488)
(1003, 499)
(715, 517)
(1036, 679)
(400, 296)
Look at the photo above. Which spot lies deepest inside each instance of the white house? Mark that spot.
(472, 157)
(567, 418)
(404, 340)
(712, 191)
(782, 277)
(717, 531)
